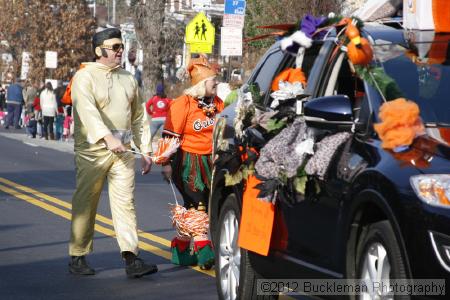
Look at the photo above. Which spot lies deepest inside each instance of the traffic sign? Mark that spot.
(200, 48)
(231, 41)
(235, 7)
(201, 4)
(200, 30)
(51, 59)
(233, 21)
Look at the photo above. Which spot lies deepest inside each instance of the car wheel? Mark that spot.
(228, 254)
(379, 260)
(235, 277)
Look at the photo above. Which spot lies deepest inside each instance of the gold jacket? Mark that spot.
(107, 100)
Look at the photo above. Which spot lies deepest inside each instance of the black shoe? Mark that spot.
(17, 127)
(6, 127)
(79, 266)
(136, 268)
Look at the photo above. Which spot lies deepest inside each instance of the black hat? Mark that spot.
(101, 36)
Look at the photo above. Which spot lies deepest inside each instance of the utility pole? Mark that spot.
(114, 13)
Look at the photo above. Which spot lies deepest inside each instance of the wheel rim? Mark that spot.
(375, 269)
(229, 256)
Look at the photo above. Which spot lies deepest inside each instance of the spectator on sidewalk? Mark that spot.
(157, 107)
(59, 122)
(68, 123)
(31, 125)
(2, 99)
(49, 110)
(29, 93)
(14, 102)
(38, 116)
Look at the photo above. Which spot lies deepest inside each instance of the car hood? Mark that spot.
(434, 146)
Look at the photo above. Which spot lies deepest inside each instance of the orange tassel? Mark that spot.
(285, 27)
(166, 147)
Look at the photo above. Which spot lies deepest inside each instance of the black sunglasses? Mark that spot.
(115, 47)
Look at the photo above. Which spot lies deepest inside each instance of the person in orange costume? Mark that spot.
(191, 118)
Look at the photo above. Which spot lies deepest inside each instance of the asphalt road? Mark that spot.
(36, 185)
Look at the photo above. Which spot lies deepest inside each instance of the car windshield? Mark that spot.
(423, 76)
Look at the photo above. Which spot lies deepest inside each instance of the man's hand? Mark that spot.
(167, 172)
(146, 164)
(114, 144)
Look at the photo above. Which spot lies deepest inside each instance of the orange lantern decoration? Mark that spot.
(360, 54)
(352, 32)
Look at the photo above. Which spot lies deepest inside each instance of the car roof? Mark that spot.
(382, 34)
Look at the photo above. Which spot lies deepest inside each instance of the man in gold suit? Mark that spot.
(108, 113)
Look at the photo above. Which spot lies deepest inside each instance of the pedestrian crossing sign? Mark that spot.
(200, 48)
(200, 30)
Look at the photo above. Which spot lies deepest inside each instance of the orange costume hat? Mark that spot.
(200, 69)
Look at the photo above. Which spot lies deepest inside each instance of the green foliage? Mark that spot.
(377, 78)
(275, 125)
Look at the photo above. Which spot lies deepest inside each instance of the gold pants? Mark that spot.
(93, 168)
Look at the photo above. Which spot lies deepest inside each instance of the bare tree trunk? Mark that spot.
(148, 22)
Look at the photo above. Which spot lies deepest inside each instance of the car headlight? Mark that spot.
(432, 189)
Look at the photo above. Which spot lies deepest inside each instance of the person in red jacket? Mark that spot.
(157, 107)
(38, 116)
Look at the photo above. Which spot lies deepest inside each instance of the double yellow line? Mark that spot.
(62, 209)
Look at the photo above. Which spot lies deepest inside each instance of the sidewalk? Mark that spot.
(20, 135)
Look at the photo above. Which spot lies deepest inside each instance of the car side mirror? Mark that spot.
(330, 112)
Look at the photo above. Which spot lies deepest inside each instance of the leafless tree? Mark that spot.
(64, 26)
(149, 24)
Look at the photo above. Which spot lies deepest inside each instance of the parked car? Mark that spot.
(376, 216)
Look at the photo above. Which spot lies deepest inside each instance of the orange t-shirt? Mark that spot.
(188, 122)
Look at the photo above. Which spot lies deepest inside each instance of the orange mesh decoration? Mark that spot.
(400, 123)
(166, 148)
(441, 12)
(189, 222)
(290, 75)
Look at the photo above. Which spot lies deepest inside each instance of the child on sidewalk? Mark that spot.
(31, 124)
(67, 123)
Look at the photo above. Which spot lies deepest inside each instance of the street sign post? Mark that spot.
(231, 41)
(235, 7)
(51, 59)
(26, 58)
(198, 5)
(234, 13)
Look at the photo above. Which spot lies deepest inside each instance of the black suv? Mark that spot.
(375, 216)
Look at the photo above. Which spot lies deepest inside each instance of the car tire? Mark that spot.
(379, 244)
(232, 260)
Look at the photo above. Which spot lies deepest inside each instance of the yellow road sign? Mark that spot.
(200, 30)
(200, 48)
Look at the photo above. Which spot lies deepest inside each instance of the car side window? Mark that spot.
(265, 74)
(342, 80)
